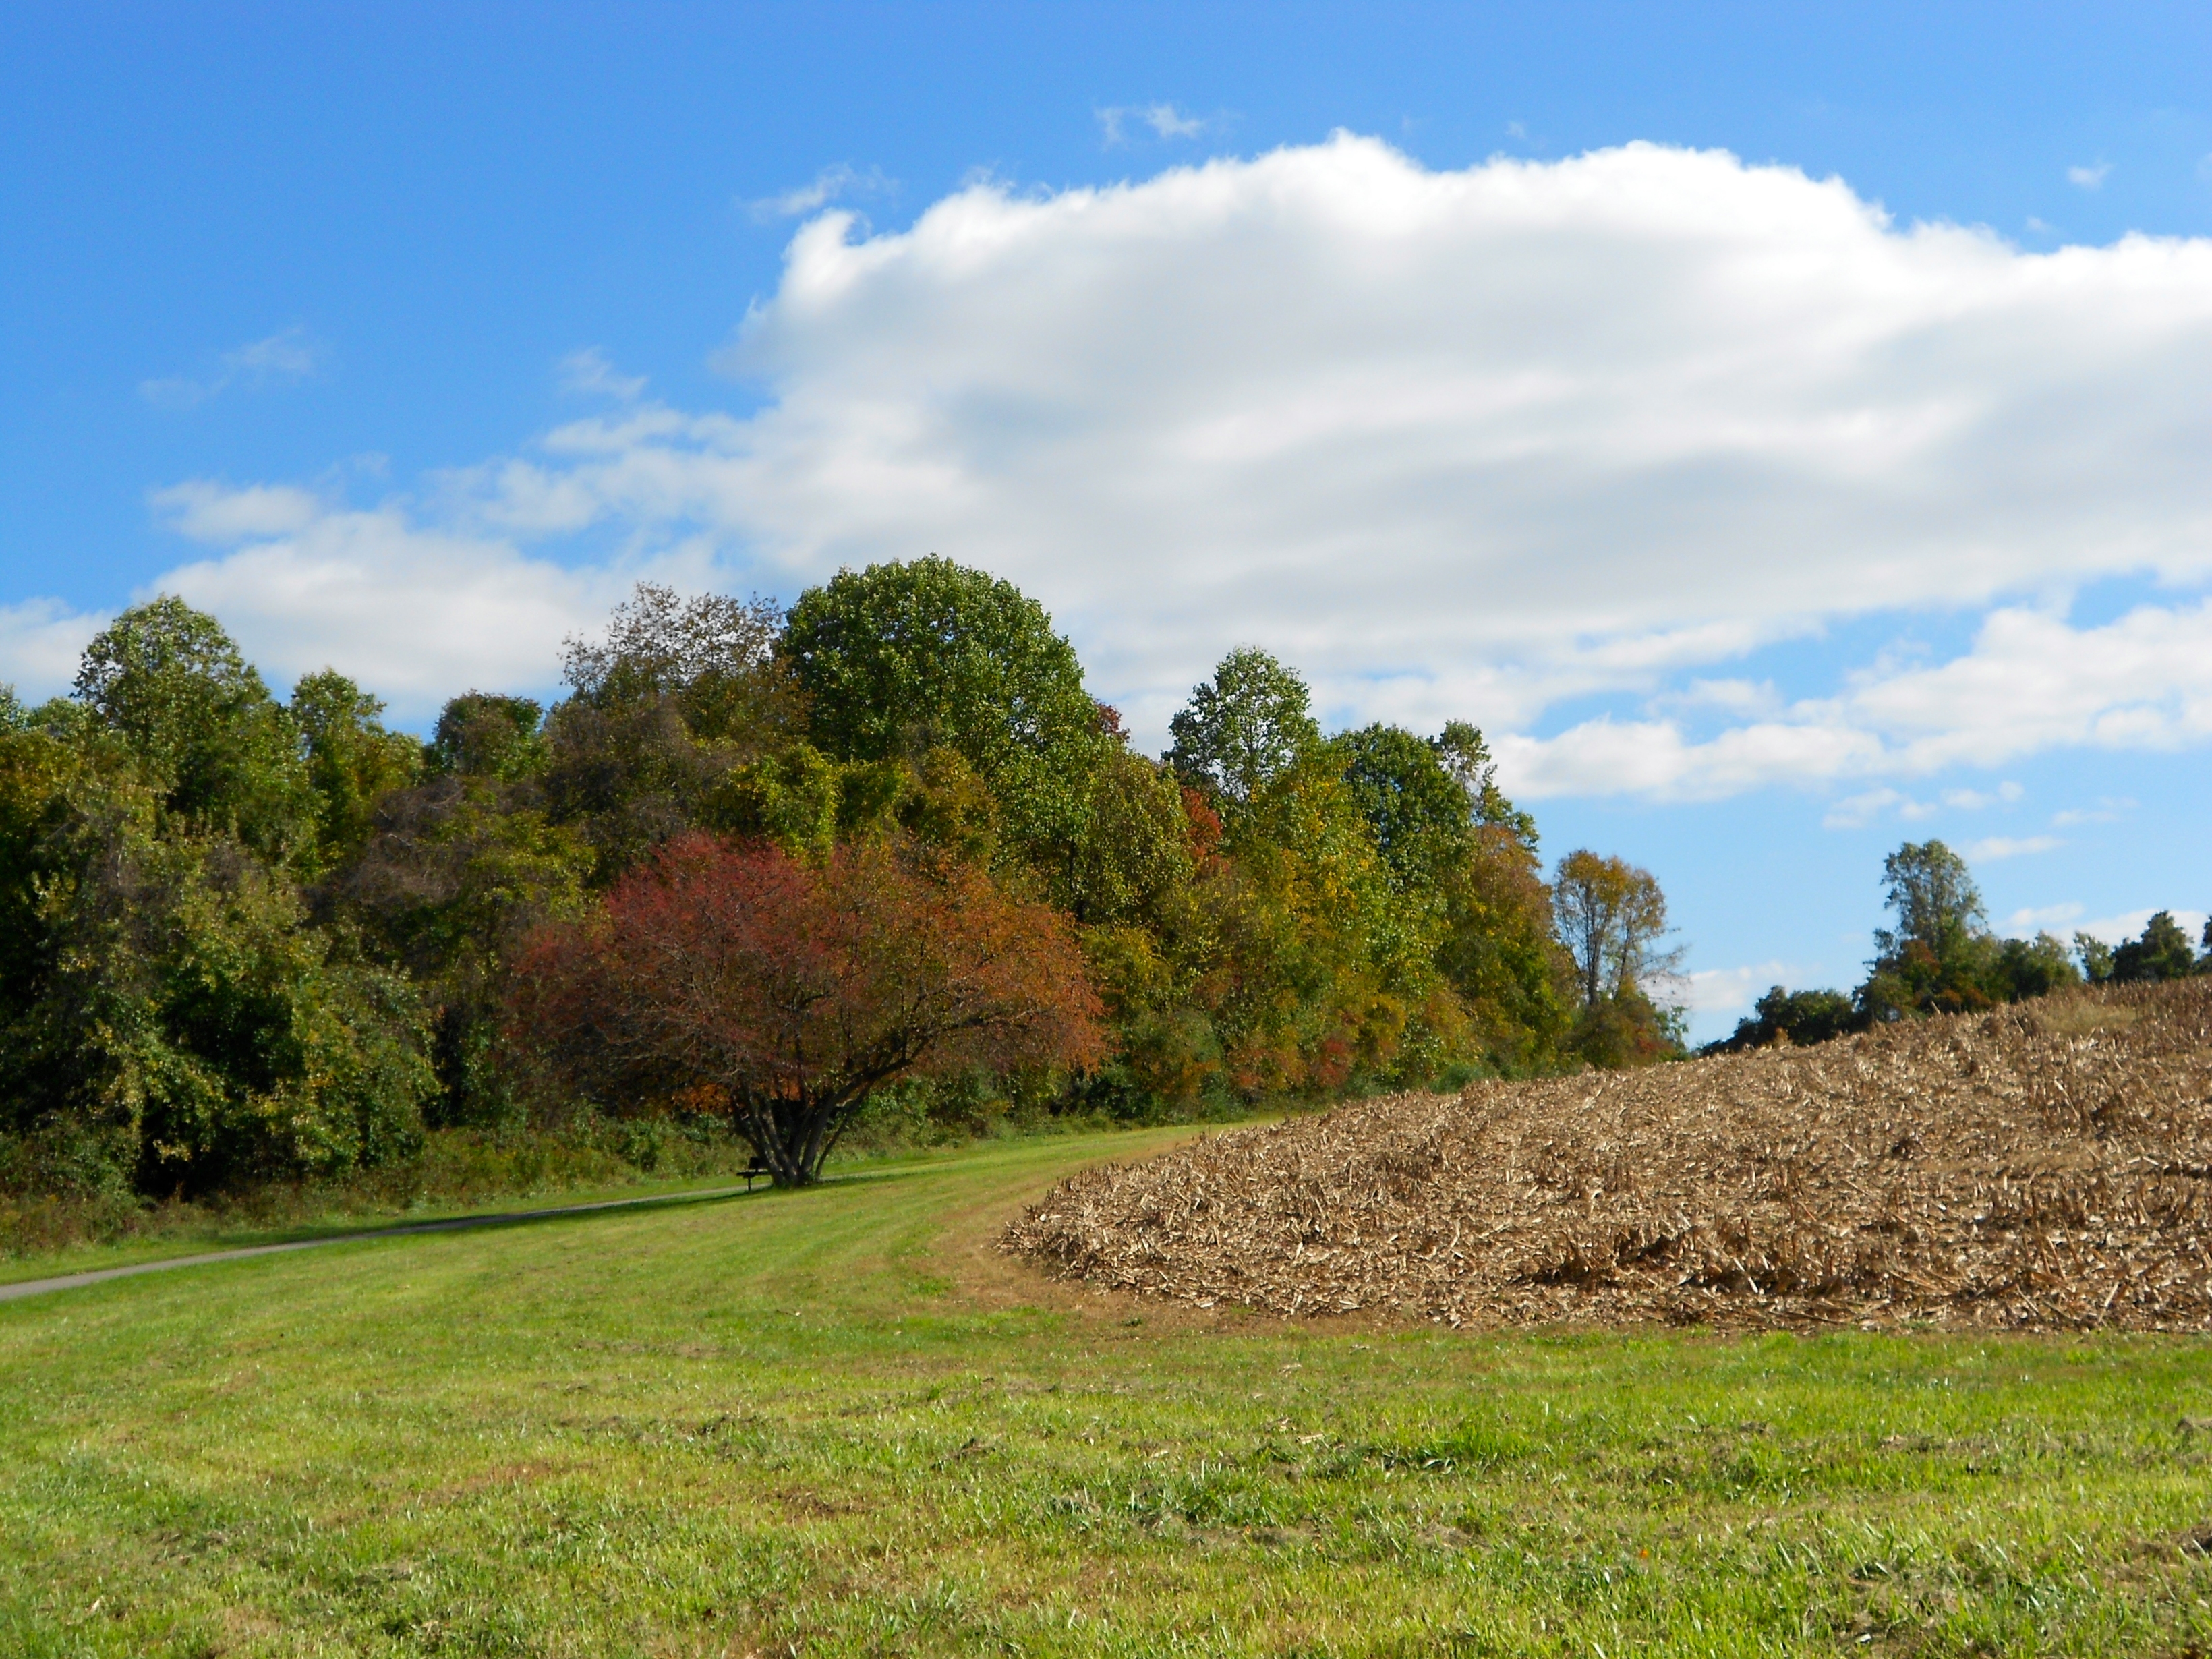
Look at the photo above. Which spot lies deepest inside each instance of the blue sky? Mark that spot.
(409, 341)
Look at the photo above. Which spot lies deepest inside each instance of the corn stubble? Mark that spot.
(2045, 1166)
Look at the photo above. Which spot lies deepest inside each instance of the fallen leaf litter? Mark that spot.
(2043, 1166)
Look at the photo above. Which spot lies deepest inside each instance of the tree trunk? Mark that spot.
(790, 1139)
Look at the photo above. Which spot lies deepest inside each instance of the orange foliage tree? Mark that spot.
(783, 992)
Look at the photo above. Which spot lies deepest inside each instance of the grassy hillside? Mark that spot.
(835, 1421)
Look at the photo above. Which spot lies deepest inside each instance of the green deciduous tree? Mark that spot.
(2160, 951)
(1612, 916)
(1795, 1017)
(2095, 957)
(2025, 968)
(1462, 751)
(457, 874)
(1938, 956)
(165, 1002)
(1502, 956)
(898, 659)
(1244, 727)
(167, 684)
(1136, 849)
(1941, 957)
(711, 657)
(352, 761)
(681, 695)
(1421, 815)
(1932, 893)
(484, 734)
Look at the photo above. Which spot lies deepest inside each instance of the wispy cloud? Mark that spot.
(2104, 812)
(589, 372)
(2010, 846)
(1739, 697)
(2090, 177)
(2040, 919)
(1164, 120)
(832, 184)
(1973, 801)
(1856, 811)
(202, 510)
(284, 357)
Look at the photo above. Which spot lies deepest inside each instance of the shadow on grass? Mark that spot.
(309, 1237)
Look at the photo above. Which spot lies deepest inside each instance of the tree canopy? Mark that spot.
(758, 873)
(743, 982)
(1612, 916)
(1244, 728)
(900, 660)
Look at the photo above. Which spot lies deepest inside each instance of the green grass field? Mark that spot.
(834, 1422)
(195, 1233)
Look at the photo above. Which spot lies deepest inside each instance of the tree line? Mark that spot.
(1941, 956)
(758, 867)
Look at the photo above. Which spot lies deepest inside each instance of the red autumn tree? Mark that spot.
(783, 992)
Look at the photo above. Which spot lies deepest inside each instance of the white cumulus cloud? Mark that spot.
(41, 641)
(416, 613)
(589, 372)
(1722, 990)
(1471, 442)
(1462, 443)
(205, 511)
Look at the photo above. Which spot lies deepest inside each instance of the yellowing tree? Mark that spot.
(1612, 917)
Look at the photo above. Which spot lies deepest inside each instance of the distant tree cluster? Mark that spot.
(756, 867)
(1941, 957)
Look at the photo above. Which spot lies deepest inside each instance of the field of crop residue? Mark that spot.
(2044, 1166)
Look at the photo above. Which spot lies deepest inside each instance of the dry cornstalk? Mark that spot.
(2048, 1165)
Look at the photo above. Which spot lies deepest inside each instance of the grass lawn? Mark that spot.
(198, 1233)
(834, 1422)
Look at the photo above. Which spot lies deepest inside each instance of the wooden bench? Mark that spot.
(757, 1170)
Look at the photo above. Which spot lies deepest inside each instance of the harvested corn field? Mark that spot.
(2047, 1165)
